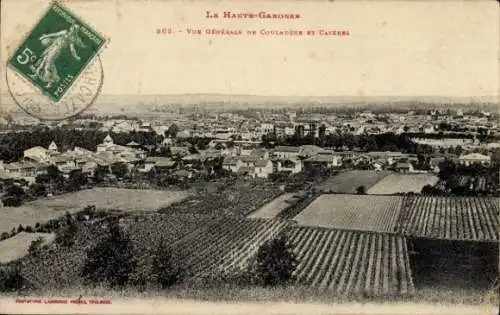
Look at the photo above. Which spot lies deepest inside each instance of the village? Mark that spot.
(277, 144)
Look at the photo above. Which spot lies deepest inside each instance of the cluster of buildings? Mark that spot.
(36, 160)
(244, 131)
(243, 158)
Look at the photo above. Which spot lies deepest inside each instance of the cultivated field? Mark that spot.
(225, 247)
(356, 212)
(352, 262)
(274, 207)
(402, 183)
(115, 198)
(235, 200)
(43, 210)
(454, 218)
(347, 182)
(17, 246)
(205, 246)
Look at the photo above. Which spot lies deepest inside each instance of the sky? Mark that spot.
(398, 48)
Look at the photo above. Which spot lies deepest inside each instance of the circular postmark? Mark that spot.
(79, 97)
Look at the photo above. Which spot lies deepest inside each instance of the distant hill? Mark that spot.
(141, 103)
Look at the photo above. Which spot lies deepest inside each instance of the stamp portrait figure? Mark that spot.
(55, 43)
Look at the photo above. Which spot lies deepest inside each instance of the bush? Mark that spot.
(274, 263)
(361, 190)
(35, 246)
(4, 236)
(20, 228)
(29, 229)
(111, 261)
(11, 279)
(12, 201)
(67, 235)
(166, 267)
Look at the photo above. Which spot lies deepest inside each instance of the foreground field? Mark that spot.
(452, 218)
(225, 247)
(274, 207)
(356, 212)
(43, 210)
(351, 262)
(347, 182)
(17, 247)
(206, 247)
(402, 183)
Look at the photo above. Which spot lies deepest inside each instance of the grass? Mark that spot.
(45, 209)
(401, 183)
(17, 247)
(347, 182)
(357, 212)
(274, 207)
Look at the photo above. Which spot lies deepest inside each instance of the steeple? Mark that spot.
(108, 140)
(53, 146)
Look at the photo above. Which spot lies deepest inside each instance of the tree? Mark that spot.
(119, 170)
(76, 180)
(54, 174)
(4, 236)
(111, 261)
(38, 190)
(172, 131)
(166, 266)
(67, 235)
(35, 247)
(275, 262)
(14, 190)
(11, 278)
(99, 174)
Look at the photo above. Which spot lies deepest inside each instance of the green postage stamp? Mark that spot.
(56, 51)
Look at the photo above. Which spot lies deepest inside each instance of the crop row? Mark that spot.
(456, 218)
(226, 246)
(352, 262)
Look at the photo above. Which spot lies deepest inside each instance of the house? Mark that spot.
(179, 151)
(286, 152)
(260, 154)
(378, 164)
(156, 163)
(474, 158)
(325, 160)
(133, 144)
(193, 158)
(23, 169)
(263, 168)
(184, 134)
(38, 154)
(306, 151)
(403, 167)
(246, 171)
(289, 166)
(232, 164)
(183, 174)
(267, 128)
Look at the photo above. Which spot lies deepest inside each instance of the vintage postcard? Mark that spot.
(249, 157)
